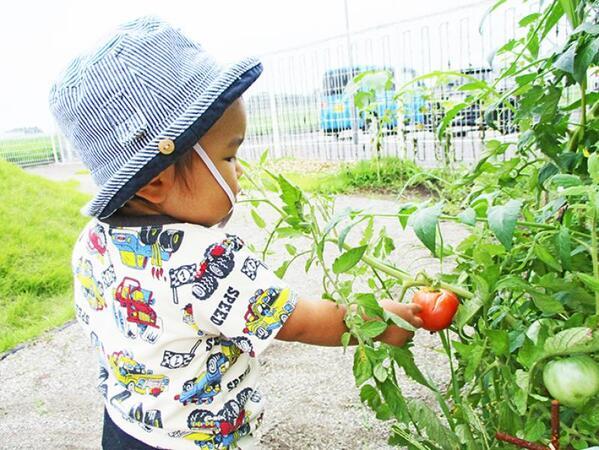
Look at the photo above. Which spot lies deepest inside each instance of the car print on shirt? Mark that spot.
(218, 263)
(93, 291)
(206, 386)
(141, 319)
(96, 240)
(134, 376)
(221, 430)
(268, 310)
(150, 243)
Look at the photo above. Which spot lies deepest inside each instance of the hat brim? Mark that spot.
(192, 124)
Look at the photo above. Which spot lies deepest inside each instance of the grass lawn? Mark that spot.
(40, 223)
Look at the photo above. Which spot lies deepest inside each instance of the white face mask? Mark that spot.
(220, 180)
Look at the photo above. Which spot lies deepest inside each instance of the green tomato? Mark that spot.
(572, 381)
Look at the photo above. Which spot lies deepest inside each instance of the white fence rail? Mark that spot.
(296, 108)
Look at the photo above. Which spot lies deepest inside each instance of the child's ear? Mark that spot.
(157, 190)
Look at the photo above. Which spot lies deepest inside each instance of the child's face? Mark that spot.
(202, 200)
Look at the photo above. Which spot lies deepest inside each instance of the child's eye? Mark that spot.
(230, 159)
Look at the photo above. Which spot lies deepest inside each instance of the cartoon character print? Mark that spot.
(206, 386)
(218, 263)
(268, 310)
(134, 376)
(133, 312)
(151, 243)
(221, 430)
(93, 291)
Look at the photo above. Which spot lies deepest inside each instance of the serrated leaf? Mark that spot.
(349, 259)
(370, 305)
(402, 323)
(362, 368)
(380, 373)
(424, 222)
(372, 328)
(427, 419)
(572, 340)
(405, 359)
(565, 61)
(499, 341)
(345, 338)
(502, 221)
(394, 398)
(565, 180)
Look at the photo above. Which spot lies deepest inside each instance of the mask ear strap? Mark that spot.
(212, 168)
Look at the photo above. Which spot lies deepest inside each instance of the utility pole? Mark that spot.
(350, 58)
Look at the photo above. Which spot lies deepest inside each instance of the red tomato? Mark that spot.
(438, 308)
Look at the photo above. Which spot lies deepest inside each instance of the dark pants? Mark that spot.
(113, 438)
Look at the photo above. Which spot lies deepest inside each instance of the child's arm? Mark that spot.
(320, 322)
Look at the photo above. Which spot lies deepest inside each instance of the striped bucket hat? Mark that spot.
(139, 101)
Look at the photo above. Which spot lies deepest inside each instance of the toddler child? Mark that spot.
(178, 310)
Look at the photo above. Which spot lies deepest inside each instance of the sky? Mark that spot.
(38, 37)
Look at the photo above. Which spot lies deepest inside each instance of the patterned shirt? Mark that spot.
(178, 314)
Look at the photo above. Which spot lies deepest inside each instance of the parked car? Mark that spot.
(336, 105)
(473, 115)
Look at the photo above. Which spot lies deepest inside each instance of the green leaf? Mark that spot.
(467, 310)
(565, 180)
(427, 419)
(349, 259)
(569, 7)
(468, 216)
(291, 249)
(584, 57)
(502, 221)
(499, 341)
(593, 167)
(564, 247)
(424, 221)
(370, 305)
(527, 20)
(404, 213)
(362, 368)
(405, 359)
(521, 395)
(572, 340)
(394, 398)
(546, 172)
(263, 157)
(546, 303)
(590, 281)
(565, 61)
(544, 255)
(280, 272)
(373, 328)
(257, 219)
(380, 373)
(402, 323)
(345, 338)
(344, 233)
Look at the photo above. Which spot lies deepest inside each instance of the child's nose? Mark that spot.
(238, 169)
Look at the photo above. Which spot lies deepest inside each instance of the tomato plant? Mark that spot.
(527, 273)
(438, 308)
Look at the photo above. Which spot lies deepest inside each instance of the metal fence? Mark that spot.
(298, 109)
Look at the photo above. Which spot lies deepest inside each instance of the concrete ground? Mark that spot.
(49, 400)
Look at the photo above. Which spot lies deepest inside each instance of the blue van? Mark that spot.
(335, 112)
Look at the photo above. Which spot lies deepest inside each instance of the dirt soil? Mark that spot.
(49, 399)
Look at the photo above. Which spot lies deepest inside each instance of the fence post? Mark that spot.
(276, 150)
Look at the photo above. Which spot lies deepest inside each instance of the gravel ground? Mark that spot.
(49, 399)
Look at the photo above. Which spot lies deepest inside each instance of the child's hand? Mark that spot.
(395, 335)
